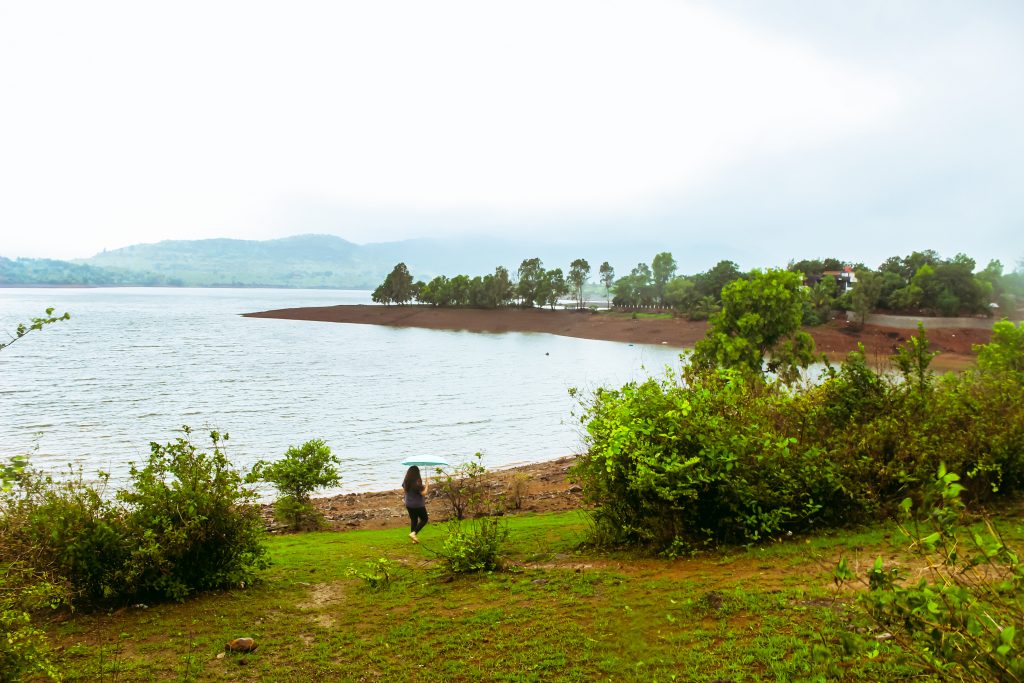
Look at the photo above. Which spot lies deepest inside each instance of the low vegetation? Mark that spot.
(749, 481)
(301, 471)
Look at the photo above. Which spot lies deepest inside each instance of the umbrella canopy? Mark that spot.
(425, 463)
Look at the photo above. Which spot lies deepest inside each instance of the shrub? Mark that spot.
(301, 471)
(717, 455)
(474, 545)
(377, 574)
(24, 650)
(963, 619)
(475, 534)
(68, 529)
(462, 488)
(192, 523)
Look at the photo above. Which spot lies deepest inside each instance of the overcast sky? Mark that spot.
(769, 130)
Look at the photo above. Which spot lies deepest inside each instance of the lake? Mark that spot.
(135, 364)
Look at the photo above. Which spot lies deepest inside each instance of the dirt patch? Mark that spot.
(835, 339)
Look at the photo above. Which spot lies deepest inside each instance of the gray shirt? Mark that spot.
(414, 497)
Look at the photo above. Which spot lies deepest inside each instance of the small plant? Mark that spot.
(301, 471)
(377, 574)
(474, 545)
(962, 620)
(462, 488)
(518, 489)
(474, 535)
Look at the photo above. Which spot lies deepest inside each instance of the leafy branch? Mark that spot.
(36, 324)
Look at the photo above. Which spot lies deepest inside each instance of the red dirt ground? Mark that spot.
(835, 339)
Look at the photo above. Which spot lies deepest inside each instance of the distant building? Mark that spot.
(845, 279)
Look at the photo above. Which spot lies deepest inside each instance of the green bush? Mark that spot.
(718, 455)
(301, 471)
(462, 488)
(193, 525)
(474, 545)
(66, 528)
(475, 532)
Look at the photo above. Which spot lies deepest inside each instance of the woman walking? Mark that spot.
(415, 490)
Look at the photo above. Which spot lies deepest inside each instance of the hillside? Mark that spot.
(313, 261)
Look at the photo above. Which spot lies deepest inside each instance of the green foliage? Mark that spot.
(607, 279)
(578, 272)
(193, 525)
(719, 455)
(24, 650)
(758, 327)
(474, 545)
(1004, 354)
(927, 283)
(475, 534)
(913, 359)
(376, 574)
(397, 287)
(964, 617)
(462, 487)
(69, 529)
(866, 294)
(36, 325)
(673, 464)
(301, 471)
(530, 273)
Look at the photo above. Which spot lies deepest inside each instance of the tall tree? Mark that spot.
(607, 279)
(865, 295)
(552, 287)
(530, 273)
(579, 270)
(663, 268)
(396, 288)
(758, 327)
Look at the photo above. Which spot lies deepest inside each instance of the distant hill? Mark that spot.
(313, 261)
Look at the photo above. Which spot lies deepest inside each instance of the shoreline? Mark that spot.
(834, 339)
(539, 487)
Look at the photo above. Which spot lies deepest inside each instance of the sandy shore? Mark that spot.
(835, 339)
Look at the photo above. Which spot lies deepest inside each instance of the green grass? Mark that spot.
(558, 613)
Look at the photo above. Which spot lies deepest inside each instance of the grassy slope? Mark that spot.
(559, 615)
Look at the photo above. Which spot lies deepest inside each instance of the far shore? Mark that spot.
(835, 339)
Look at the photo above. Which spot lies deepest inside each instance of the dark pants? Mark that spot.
(418, 518)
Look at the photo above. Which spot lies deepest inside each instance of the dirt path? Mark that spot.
(835, 339)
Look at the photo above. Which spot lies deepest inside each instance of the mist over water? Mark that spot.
(133, 365)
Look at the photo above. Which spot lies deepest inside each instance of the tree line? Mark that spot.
(920, 283)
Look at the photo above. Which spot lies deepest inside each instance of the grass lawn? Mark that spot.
(557, 613)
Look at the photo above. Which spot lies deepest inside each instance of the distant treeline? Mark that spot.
(31, 271)
(921, 283)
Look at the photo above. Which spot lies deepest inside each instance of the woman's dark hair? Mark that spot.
(412, 480)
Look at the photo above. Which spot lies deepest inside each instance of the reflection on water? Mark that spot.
(133, 365)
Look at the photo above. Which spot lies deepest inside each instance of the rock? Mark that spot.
(240, 645)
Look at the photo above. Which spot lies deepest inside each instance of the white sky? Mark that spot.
(771, 129)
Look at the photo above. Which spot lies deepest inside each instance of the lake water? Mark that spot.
(133, 365)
